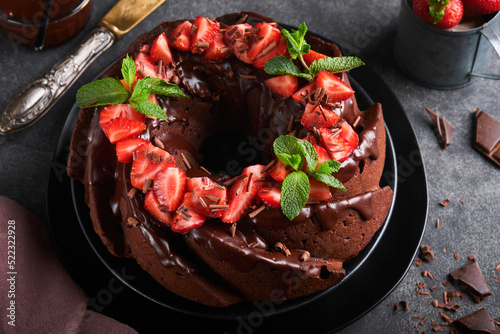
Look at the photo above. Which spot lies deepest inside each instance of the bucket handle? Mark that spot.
(494, 40)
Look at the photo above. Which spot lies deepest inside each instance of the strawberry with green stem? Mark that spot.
(443, 14)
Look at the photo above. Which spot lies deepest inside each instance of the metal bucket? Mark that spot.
(444, 59)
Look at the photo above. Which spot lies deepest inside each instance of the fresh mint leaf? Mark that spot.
(288, 146)
(161, 87)
(294, 194)
(141, 91)
(101, 92)
(335, 64)
(128, 71)
(328, 180)
(296, 42)
(309, 153)
(295, 160)
(149, 108)
(329, 167)
(282, 65)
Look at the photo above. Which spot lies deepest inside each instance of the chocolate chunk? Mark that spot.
(487, 136)
(471, 277)
(426, 253)
(443, 128)
(480, 321)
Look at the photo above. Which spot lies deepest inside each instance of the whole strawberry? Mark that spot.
(443, 14)
(480, 7)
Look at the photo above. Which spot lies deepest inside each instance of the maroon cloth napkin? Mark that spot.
(37, 295)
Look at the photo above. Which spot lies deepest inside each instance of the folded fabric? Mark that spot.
(38, 295)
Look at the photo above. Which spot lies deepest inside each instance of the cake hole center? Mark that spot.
(229, 153)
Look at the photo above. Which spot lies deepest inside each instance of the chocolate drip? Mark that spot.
(330, 212)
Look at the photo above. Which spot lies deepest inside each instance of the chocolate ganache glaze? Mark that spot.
(208, 264)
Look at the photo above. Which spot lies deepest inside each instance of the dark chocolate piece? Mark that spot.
(471, 277)
(426, 253)
(443, 127)
(487, 135)
(480, 321)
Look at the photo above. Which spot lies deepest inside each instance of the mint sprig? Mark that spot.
(297, 47)
(296, 188)
(109, 91)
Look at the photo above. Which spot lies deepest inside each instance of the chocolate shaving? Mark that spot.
(185, 160)
(232, 229)
(280, 247)
(402, 305)
(445, 202)
(304, 256)
(159, 143)
(443, 127)
(132, 192)
(487, 136)
(91, 103)
(147, 185)
(235, 179)
(256, 212)
(242, 19)
(131, 221)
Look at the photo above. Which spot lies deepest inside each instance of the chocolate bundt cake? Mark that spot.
(195, 199)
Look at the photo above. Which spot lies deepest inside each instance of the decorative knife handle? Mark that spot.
(39, 96)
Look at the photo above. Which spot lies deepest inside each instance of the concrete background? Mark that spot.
(362, 28)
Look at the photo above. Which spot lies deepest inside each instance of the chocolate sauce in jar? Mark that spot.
(20, 20)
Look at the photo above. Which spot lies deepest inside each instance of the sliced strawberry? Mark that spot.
(337, 146)
(284, 85)
(303, 92)
(349, 134)
(200, 182)
(279, 50)
(238, 38)
(169, 186)
(125, 84)
(242, 194)
(322, 157)
(180, 38)
(203, 33)
(120, 111)
(318, 117)
(217, 51)
(161, 50)
(267, 35)
(186, 219)
(121, 128)
(334, 87)
(208, 201)
(156, 209)
(319, 191)
(149, 160)
(144, 63)
(271, 196)
(126, 147)
(312, 56)
(153, 98)
(279, 171)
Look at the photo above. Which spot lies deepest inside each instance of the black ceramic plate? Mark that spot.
(121, 289)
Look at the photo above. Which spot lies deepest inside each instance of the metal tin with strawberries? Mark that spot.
(446, 59)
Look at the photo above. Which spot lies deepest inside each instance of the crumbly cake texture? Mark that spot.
(267, 256)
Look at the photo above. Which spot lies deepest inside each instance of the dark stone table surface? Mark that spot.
(362, 28)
